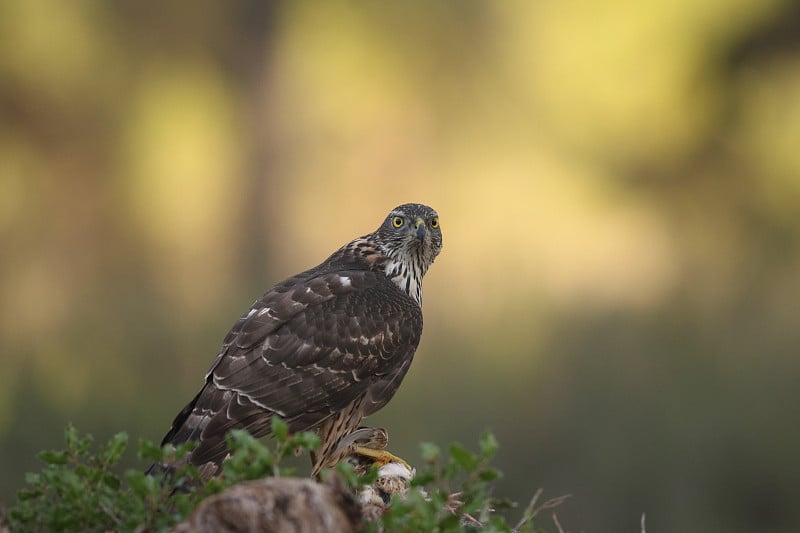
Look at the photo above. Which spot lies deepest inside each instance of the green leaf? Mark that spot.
(463, 458)
(183, 449)
(490, 474)
(149, 451)
(71, 437)
(115, 447)
(489, 445)
(85, 471)
(423, 478)
(75, 443)
(28, 494)
(430, 452)
(370, 476)
(53, 457)
(139, 482)
(306, 440)
(239, 439)
(215, 485)
(450, 522)
(111, 481)
(280, 429)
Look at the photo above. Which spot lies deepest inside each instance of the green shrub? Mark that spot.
(78, 489)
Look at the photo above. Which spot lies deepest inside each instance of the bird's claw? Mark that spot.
(380, 457)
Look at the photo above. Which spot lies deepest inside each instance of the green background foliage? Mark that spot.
(619, 189)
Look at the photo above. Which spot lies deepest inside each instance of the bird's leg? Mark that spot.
(380, 457)
(368, 443)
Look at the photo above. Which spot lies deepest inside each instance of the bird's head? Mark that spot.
(411, 234)
(412, 238)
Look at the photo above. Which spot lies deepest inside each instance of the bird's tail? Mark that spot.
(181, 431)
(206, 420)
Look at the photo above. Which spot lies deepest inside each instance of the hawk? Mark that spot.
(321, 349)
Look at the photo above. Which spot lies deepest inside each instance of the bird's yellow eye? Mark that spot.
(397, 222)
(434, 222)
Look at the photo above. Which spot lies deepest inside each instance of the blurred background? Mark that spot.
(619, 189)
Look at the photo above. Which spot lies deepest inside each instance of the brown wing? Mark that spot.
(305, 350)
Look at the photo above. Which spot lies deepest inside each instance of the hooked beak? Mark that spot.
(421, 229)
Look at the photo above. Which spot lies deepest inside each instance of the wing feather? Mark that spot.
(305, 350)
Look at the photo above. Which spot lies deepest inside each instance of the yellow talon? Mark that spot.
(380, 457)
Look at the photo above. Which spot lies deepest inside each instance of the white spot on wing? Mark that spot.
(345, 281)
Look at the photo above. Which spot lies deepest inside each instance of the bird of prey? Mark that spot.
(321, 349)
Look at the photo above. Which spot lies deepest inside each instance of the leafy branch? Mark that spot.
(79, 490)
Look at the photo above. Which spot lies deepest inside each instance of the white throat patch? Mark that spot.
(406, 276)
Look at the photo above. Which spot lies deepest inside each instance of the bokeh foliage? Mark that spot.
(619, 188)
